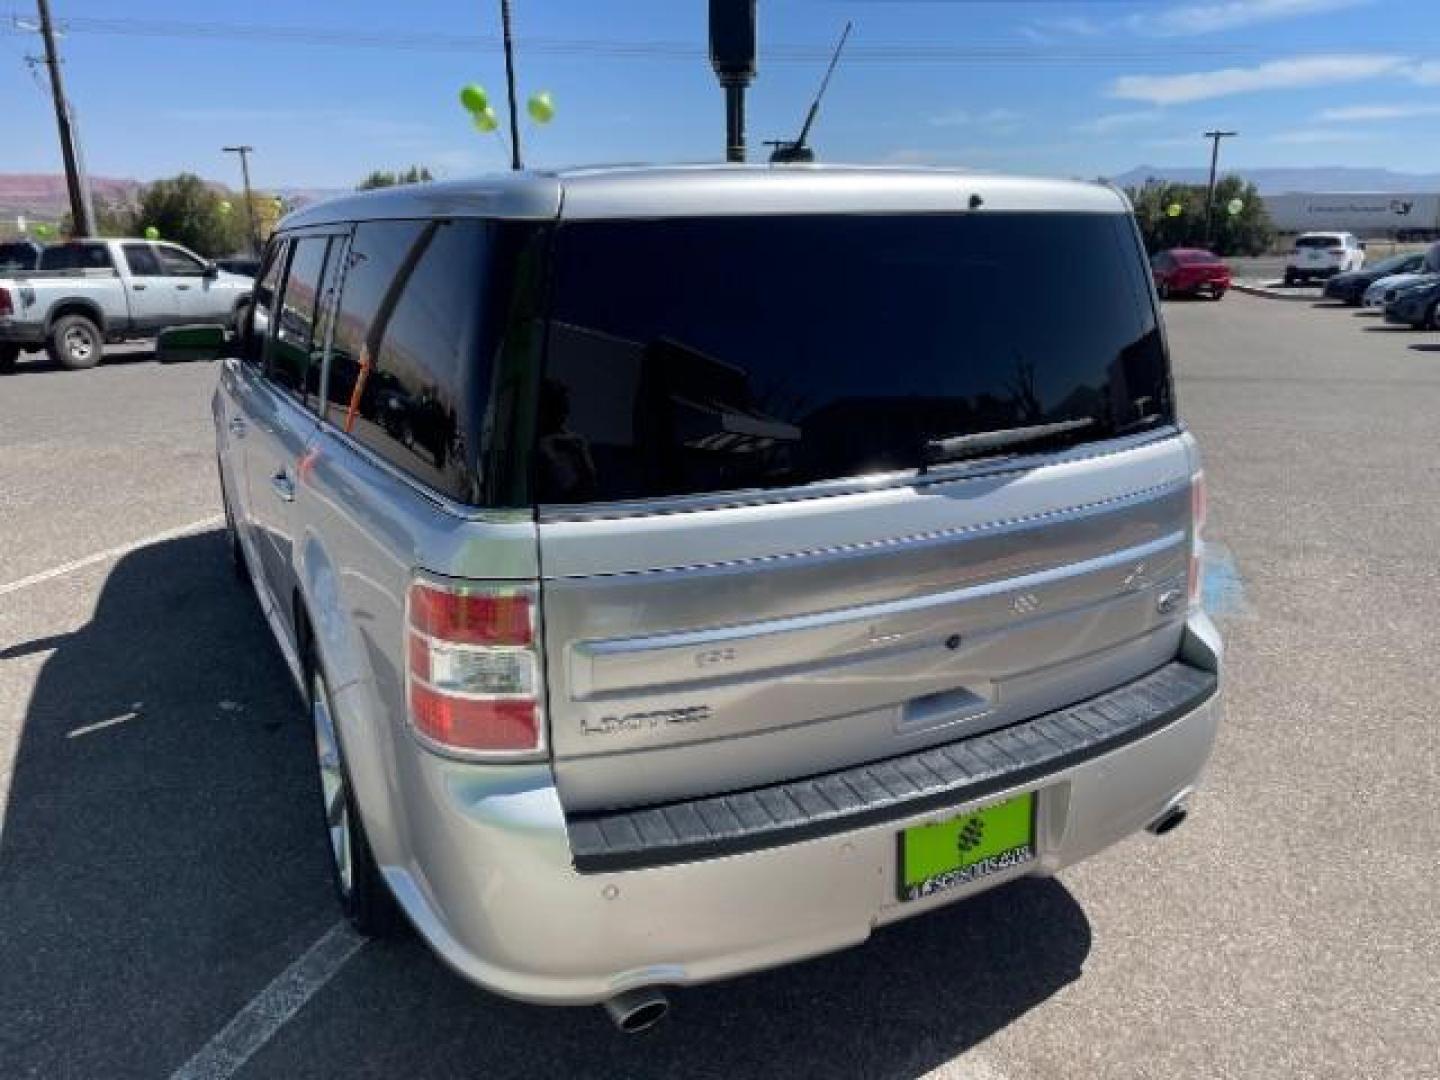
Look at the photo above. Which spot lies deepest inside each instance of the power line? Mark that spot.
(775, 52)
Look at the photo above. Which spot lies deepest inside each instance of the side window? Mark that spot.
(262, 305)
(179, 263)
(141, 260)
(76, 255)
(296, 352)
(407, 359)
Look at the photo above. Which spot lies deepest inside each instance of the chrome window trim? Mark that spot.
(682, 504)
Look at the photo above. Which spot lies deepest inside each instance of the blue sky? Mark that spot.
(1090, 87)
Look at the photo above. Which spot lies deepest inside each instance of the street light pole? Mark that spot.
(80, 221)
(245, 152)
(515, 162)
(1214, 137)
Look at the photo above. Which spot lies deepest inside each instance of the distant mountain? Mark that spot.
(42, 196)
(1277, 181)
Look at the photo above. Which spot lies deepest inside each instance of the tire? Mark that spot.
(360, 888)
(1432, 317)
(75, 343)
(1217, 294)
(1291, 277)
(9, 356)
(1163, 291)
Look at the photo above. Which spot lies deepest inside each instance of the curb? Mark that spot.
(1270, 293)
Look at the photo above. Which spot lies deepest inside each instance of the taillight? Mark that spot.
(1197, 543)
(472, 672)
(7, 306)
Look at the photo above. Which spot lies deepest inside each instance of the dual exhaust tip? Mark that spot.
(638, 1010)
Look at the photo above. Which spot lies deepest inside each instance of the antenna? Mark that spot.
(790, 153)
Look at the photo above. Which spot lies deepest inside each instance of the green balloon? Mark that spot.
(225, 206)
(474, 98)
(1174, 209)
(1235, 206)
(541, 107)
(152, 233)
(486, 121)
(43, 230)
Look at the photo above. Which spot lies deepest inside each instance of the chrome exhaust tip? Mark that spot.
(638, 1010)
(1171, 819)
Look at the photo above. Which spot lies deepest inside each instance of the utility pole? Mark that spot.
(245, 152)
(1214, 137)
(732, 55)
(510, 85)
(79, 204)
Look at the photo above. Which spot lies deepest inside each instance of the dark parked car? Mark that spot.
(1417, 305)
(1350, 288)
(18, 255)
(1189, 272)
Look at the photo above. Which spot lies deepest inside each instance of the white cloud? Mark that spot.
(1108, 123)
(1319, 137)
(991, 118)
(1426, 73)
(1363, 113)
(1209, 18)
(1291, 73)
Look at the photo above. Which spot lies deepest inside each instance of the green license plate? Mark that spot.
(965, 849)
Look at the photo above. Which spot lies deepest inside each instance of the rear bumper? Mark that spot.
(493, 884)
(26, 334)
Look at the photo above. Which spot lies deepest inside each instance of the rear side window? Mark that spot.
(435, 352)
(256, 329)
(77, 256)
(141, 260)
(295, 354)
(692, 356)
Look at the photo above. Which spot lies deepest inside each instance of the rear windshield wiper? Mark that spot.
(960, 447)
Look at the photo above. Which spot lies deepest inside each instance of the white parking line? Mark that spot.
(109, 553)
(271, 1009)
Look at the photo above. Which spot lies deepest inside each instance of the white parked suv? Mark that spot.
(1323, 255)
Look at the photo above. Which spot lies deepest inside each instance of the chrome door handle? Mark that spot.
(182, 286)
(237, 426)
(283, 485)
(136, 287)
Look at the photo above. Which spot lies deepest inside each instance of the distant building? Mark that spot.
(1407, 216)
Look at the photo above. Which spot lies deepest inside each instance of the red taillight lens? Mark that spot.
(473, 617)
(1198, 510)
(7, 305)
(471, 667)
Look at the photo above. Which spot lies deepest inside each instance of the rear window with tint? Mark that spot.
(692, 356)
(1319, 242)
(76, 257)
(1196, 258)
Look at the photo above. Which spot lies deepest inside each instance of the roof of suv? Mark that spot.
(709, 190)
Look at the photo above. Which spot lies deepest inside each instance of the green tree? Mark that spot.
(188, 211)
(1249, 232)
(112, 219)
(415, 174)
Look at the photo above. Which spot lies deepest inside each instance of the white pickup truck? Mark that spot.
(88, 292)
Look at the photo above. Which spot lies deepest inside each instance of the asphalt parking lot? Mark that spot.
(161, 866)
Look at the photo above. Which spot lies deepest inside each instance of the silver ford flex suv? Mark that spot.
(690, 570)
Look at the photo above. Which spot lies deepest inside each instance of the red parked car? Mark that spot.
(1189, 272)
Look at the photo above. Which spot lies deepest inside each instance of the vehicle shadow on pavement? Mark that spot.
(161, 862)
(36, 363)
(912, 998)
